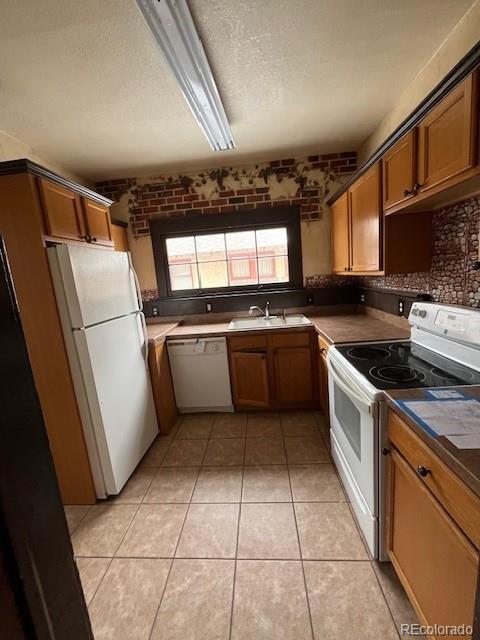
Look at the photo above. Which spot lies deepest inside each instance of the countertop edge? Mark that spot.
(437, 446)
(179, 330)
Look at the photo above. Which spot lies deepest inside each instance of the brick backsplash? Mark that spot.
(452, 278)
(306, 182)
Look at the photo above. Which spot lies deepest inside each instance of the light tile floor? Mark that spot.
(234, 527)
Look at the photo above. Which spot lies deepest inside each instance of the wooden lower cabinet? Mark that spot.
(276, 370)
(293, 376)
(250, 379)
(433, 557)
(162, 386)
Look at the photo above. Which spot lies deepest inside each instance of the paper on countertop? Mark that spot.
(466, 442)
(447, 417)
(445, 394)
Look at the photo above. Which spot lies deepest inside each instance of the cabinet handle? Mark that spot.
(423, 471)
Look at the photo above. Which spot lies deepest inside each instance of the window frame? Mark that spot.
(206, 224)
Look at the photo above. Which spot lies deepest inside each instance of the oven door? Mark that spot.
(354, 423)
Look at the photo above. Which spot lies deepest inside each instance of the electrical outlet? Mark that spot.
(209, 307)
(401, 307)
(154, 311)
(362, 297)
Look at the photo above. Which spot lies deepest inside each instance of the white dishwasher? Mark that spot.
(200, 373)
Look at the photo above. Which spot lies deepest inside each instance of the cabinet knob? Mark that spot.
(423, 471)
(416, 187)
(93, 239)
(409, 192)
(87, 238)
(385, 451)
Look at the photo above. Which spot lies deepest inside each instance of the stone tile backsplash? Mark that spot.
(452, 278)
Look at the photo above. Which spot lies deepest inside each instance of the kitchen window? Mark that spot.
(219, 260)
(232, 252)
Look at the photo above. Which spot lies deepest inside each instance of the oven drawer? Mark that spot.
(456, 498)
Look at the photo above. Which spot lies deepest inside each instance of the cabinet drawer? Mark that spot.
(456, 498)
(290, 339)
(242, 343)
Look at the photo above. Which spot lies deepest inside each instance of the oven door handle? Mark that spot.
(366, 404)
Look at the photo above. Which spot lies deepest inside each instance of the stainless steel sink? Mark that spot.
(278, 322)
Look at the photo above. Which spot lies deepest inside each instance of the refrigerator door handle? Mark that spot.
(137, 283)
(145, 338)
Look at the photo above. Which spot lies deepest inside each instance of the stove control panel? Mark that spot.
(457, 323)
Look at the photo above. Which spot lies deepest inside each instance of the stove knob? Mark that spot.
(422, 313)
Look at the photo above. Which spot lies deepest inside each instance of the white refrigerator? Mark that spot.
(100, 307)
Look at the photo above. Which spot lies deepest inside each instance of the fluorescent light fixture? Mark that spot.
(174, 30)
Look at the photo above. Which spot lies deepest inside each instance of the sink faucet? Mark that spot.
(266, 312)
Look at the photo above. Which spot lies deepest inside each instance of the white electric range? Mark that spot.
(444, 350)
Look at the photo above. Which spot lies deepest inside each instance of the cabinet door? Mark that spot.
(62, 210)
(433, 558)
(162, 386)
(249, 374)
(446, 137)
(366, 221)
(340, 235)
(97, 218)
(293, 376)
(399, 171)
(119, 237)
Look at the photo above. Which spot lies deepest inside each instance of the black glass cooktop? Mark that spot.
(406, 365)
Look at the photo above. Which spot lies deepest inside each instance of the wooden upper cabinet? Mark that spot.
(340, 235)
(447, 136)
(63, 211)
(399, 171)
(119, 236)
(366, 221)
(427, 548)
(249, 374)
(97, 220)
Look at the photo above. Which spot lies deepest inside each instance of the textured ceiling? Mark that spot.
(84, 84)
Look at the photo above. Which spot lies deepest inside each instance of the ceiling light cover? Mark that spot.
(174, 30)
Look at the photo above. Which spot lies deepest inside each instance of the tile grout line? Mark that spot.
(371, 560)
(178, 541)
(111, 558)
(238, 534)
(298, 535)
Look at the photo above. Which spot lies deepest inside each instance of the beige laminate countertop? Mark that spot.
(157, 332)
(464, 462)
(334, 328)
(357, 328)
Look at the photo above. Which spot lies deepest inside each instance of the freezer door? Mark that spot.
(119, 395)
(99, 284)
